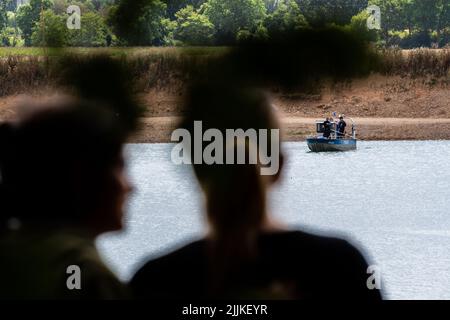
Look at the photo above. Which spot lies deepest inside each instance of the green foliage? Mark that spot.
(4, 5)
(60, 6)
(168, 27)
(321, 12)
(404, 23)
(9, 33)
(193, 28)
(229, 17)
(358, 25)
(140, 22)
(28, 15)
(5, 36)
(419, 17)
(285, 17)
(173, 6)
(93, 32)
(259, 34)
(394, 13)
(50, 31)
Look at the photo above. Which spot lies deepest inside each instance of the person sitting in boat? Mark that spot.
(341, 126)
(327, 128)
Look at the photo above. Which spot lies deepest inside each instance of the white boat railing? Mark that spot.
(336, 133)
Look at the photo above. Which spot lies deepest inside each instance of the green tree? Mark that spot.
(358, 24)
(173, 6)
(60, 6)
(321, 12)
(9, 35)
(431, 15)
(103, 7)
(101, 4)
(28, 15)
(93, 32)
(419, 18)
(139, 22)
(50, 31)
(285, 17)
(192, 27)
(260, 33)
(231, 16)
(271, 5)
(4, 6)
(394, 16)
(443, 24)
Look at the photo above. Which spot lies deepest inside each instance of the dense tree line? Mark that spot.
(406, 23)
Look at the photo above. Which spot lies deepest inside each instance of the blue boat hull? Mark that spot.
(324, 145)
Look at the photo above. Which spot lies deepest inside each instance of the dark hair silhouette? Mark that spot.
(63, 183)
(235, 193)
(54, 164)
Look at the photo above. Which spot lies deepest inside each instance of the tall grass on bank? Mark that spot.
(30, 69)
(415, 63)
(112, 51)
(19, 74)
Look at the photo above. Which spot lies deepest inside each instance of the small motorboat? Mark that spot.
(335, 142)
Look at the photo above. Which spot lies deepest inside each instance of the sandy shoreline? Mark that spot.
(159, 129)
(384, 108)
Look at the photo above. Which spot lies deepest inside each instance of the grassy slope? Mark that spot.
(34, 51)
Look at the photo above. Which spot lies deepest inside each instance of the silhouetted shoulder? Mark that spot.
(50, 254)
(310, 266)
(341, 268)
(172, 275)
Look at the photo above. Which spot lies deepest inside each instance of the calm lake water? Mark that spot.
(391, 199)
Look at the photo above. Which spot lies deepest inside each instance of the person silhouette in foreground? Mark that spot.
(62, 184)
(246, 255)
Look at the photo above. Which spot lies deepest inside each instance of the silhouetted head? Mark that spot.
(235, 193)
(63, 167)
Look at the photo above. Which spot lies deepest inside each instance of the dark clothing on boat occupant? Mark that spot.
(287, 265)
(341, 128)
(326, 129)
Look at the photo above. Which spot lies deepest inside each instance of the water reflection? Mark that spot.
(389, 197)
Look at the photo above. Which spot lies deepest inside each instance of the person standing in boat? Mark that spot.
(327, 128)
(341, 126)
